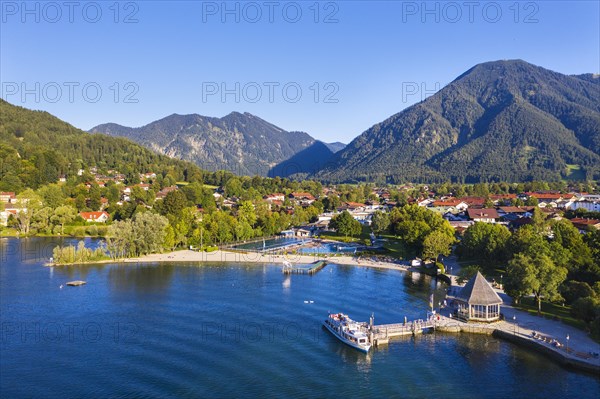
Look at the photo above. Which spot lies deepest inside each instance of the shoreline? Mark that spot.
(246, 257)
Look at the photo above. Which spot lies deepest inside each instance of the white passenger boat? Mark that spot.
(348, 331)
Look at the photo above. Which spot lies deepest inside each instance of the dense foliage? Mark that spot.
(549, 259)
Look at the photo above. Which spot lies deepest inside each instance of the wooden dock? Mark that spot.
(304, 269)
(381, 334)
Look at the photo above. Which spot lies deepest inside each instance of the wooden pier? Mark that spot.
(381, 334)
(304, 269)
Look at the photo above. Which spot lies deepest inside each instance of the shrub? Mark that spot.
(586, 309)
(92, 230)
(573, 290)
(441, 267)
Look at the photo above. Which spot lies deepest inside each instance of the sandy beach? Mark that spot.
(251, 257)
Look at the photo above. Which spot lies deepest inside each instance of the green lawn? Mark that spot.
(8, 232)
(397, 248)
(550, 311)
(332, 235)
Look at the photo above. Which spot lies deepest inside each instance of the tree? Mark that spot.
(573, 290)
(28, 203)
(380, 222)
(173, 204)
(437, 243)
(242, 230)
(169, 238)
(538, 275)
(120, 239)
(247, 213)
(539, 220)
(52, 195)
(568, 237)
(80, 202)
(527, 241)
(149, 232)
(142, 235)
(331, 202)
(586, 309)
(233, 187)
(113, 195)
(485, 241)
(41, 220)
(413, 223)
(532, 201)
(345, 224)
(95, 201)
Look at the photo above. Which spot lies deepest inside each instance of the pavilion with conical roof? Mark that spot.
(477, 301)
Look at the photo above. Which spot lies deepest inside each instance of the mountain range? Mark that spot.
(499, 121)
(239, 142)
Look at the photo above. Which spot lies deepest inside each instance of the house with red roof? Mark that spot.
(473, 201)
(95, 217)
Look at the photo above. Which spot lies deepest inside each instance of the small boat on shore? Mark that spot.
(350, 332)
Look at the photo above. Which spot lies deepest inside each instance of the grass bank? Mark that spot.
(551, 311)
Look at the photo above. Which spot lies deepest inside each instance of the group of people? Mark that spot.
(549, 340)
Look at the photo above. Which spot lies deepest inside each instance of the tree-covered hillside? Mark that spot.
(36, 148)
(499, 121)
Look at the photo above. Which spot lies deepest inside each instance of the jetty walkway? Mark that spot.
(380, 334)
(536, 336)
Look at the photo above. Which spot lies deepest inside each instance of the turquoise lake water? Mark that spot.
(270, 244)
(329, 248)
(239, 330)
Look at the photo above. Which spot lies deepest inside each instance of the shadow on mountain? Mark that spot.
(307, 161)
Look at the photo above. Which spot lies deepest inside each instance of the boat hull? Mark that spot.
(364, 349)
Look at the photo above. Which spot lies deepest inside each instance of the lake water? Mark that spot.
(239, 330)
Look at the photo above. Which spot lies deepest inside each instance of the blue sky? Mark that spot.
(332, 69)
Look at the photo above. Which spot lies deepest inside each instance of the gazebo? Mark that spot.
(477, 301)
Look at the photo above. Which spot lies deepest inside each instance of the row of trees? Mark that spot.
(144, 234)
(35, 216)
(79, 254)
